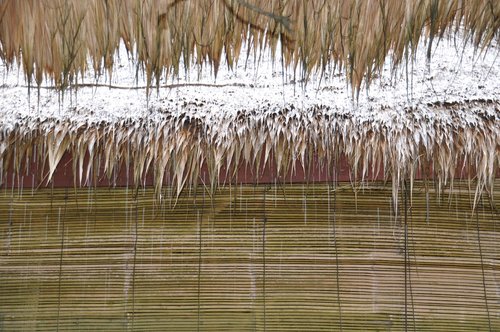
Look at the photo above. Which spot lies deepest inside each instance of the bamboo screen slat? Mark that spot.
(291, 257)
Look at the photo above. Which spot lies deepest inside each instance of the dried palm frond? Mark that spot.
(56, 38)
(174, 148)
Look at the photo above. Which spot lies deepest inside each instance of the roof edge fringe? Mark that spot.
(435, 141)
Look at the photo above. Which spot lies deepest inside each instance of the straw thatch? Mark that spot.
(417, 248)
(54, 38)
(441, 141)
(206, 135)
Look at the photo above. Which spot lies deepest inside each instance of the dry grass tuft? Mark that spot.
(55, 38)
(175, 149)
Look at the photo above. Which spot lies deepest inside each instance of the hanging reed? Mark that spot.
(54, 39)
(435, 141)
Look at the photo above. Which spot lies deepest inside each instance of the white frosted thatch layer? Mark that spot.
(440, 116)
(456, 73)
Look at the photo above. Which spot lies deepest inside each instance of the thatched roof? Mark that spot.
(246, 86)
(427, 118)
(55, 39)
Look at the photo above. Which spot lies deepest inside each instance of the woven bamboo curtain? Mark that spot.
(246, 258)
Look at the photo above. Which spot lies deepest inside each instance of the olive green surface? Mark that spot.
(249, 258)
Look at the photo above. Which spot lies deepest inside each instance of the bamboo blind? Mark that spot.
(292, 257)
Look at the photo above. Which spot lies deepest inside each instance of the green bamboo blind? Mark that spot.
(247, 258)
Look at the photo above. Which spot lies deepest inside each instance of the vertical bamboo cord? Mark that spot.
(482, 271)
(406, 259)
(10, 222)
(264, 222)
(199, 266)
(60, 257)
(412, 242)
(337, 274)
(407, 263)
(410, 239)
(136, 237)
(60, 275)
